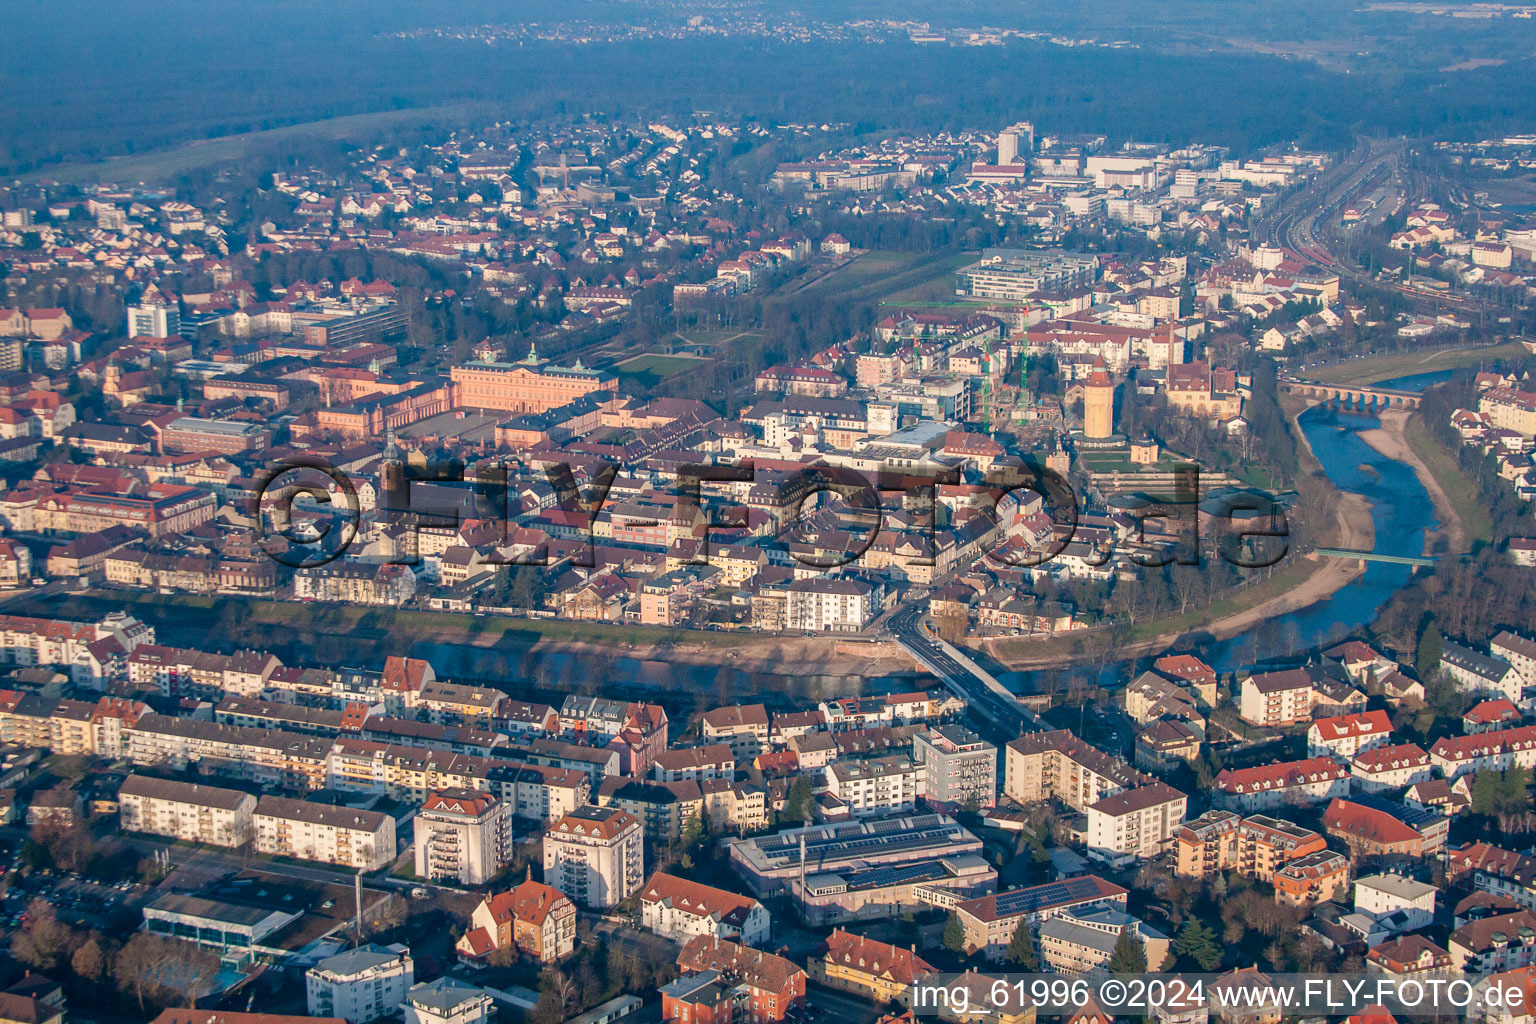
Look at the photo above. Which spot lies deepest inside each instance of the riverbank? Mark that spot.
(1403, 438)
(1304, 581)
(184, 620)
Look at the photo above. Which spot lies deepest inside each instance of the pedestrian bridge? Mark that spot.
(1373, 556)
(1359, 395)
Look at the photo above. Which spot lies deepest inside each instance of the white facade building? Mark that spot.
(360, 985)
(595, 855)
(462, 834)
(185, 810)
(322, 832)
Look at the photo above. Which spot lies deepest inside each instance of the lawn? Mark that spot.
(1403, 364)
(657, 365)
(893, 278)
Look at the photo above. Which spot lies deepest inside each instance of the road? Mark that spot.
(1002, 719)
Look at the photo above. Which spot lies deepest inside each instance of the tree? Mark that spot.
(1426, 659)
(1196, 944)
(954, 934)
(140, 964)
(1021, 949)
(89, 962)
(1129, 956)
(797, 802)
(44, 941)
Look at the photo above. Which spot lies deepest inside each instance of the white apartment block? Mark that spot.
(185, 810)
(1518, 651)
(595, 856)
(829, 606)
(360, 985)
(1380, 895)
(1395, 767)
(321, 832)
(1478, 673)
(886, 785)
(462, 834)
(1135, 824)
(1276, 698)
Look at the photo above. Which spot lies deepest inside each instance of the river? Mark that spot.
(1401, 511)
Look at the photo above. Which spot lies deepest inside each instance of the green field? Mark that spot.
(657, 366)
(165, 164)
(1403, 364)
(894, 277)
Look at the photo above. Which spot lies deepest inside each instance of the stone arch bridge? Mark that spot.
(1357, 395)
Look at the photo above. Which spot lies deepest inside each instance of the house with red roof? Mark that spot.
(1344, 736)
(532, 918)
(765, 987)
(1380, 830)
(1308, 781)
(679, 909)
(867, 968)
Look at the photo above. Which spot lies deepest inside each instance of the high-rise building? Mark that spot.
(1098, 403)
(958, 766)
(1015, 144)
(464, 834)
(153, 320)
(594, 855)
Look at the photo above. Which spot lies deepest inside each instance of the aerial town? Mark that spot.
(729, 569)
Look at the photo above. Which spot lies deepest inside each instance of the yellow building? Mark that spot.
(865, 967)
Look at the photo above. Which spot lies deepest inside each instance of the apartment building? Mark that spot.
(1255, 846)
(1136, 824)
(1519, 651)
(594, 855)
(360, 985)
(1276, 698)
(264, 756)
(1495, 750)
(1474, 672)
(867, 968)
(1315, 878)
(958, 767)
(695, 764)
(680, 909)
(744, 727)
(1057, 765)
(765, 988)
(1284, 783)
(1083, 939)
(991, 921)
(886, 785)
(462, 834)
(355, 583)
(1391, 767)
(830, 605)
(185, 810)
(1344, 736)
(303, 830)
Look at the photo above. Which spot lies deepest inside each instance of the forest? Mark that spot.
(90, 93)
